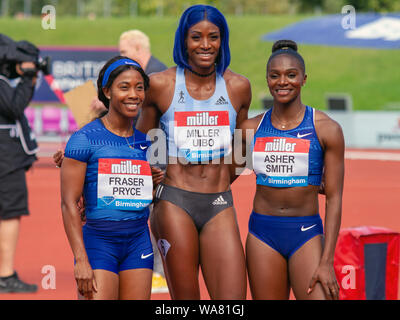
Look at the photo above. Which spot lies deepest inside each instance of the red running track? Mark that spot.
(371, 192)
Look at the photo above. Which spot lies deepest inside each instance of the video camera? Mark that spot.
(14, 52)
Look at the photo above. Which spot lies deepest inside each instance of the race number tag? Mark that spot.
(124, 184)
(202, 135)
(281, 162)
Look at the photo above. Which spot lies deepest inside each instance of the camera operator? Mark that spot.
(17, 154)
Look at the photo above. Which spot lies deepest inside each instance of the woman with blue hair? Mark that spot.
(198, 105)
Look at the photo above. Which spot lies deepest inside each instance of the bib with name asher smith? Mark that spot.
(281, 161)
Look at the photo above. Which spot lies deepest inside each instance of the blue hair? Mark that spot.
(190, 17)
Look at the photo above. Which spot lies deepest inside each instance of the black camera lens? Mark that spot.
(44, 65)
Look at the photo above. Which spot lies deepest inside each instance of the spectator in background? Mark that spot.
(135, 44)
(17, 154)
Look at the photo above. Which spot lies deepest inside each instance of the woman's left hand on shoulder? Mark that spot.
(158, 175)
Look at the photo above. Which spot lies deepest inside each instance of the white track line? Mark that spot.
(372, 155)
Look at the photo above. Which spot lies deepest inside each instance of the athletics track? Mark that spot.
(371, 192)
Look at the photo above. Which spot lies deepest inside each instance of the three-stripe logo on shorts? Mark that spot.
(159, 190)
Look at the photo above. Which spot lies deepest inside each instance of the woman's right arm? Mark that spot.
(150, 114)
(247, 129)
(72, 180)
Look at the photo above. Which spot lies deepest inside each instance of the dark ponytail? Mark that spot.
(286, 47)
(284, 44)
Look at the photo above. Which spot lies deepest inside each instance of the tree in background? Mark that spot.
(375, 5)
(106, 8)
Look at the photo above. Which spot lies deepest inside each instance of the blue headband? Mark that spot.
(115, 65)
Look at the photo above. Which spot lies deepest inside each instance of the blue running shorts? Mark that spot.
(123, 246)
(285, 234)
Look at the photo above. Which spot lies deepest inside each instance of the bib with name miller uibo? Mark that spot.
(199, 130)
(202, 135)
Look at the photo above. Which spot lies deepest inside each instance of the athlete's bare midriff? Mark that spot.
(288, 202)
(203, 178)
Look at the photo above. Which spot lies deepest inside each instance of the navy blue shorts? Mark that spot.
(123, 246)
(285, 234)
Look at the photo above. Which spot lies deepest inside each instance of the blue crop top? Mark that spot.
(118, 182)
(291, 158)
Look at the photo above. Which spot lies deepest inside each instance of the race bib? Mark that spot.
(124, 184)
(281, 162)
(202, 135)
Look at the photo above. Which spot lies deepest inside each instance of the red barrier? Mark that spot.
(367, 263)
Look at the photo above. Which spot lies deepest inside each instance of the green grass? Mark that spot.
(370, 76)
